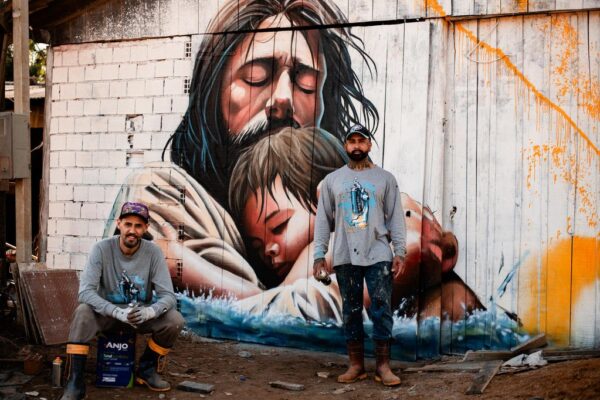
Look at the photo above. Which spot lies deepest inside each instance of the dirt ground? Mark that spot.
(243, 371)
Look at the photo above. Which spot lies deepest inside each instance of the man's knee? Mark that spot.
(173, 321)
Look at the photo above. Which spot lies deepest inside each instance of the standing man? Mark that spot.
(116, 288)
(361, 201)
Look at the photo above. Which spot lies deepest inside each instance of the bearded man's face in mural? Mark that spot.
(273, 80)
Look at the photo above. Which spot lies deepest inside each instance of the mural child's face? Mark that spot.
(273, 76)
(281, 231)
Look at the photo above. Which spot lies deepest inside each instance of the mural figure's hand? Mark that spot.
(398, 267)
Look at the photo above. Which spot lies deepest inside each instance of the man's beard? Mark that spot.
(258, 127)
(129, 245)
(358, 155)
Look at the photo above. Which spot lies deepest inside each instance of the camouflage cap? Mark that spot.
(139, 209)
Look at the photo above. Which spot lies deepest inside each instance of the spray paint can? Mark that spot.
(57, 372)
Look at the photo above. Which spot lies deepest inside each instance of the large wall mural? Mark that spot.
(234, 199)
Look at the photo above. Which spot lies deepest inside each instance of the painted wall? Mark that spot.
(490, 127)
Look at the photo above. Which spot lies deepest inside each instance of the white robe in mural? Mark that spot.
(200, 241)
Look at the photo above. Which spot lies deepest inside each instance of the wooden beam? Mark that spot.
(21, 70)
(484, 377)
(45, 183)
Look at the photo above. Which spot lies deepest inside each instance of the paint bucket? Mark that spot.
(115, 359)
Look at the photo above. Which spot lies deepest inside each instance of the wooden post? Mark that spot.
(20, 16)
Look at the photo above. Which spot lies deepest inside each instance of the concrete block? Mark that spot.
(96, 227)
(68, 91)
(87, 56)
(152, 123)
(61, 260)
(74, 142)
(127, 71)
(126, 106)
(60, 75)
(110, 72)
(66, 125)
(143, 105)
(72, 210)
(121, 54)
(76, 74)
(58, 59)
(75, 175)
(180, 104)
(88, 211)
(64, 192)
(58, 142)
(122, 174)
(106, 141)
(159, 140)
(66, 159)
(170, 122)
(174, 86)
(78, 261)
(90, 176)
(121, 140)
(118, 158)
(116, 123)
(152, 156)
(75, 107)
(96, 192)
(183, 68)
(107, 176)
(136, 88)
(139, 53)
(164, 68)
(90, 142)
(154, 87)
(53, 125)
(118, 89)
(103, 209)
(111, 192)
(99, 124)
(57, 175)
(100, 90)
(55, 243)
(146, 71)
(83, 124)
(70, 57)
(71, 243)
(86, 243)
(162, 105)
(104, 55)
(51, 226)
(91, 107)
(55, 92)
(84, 91)
(108, 106)
(80, 193)
(83, 159)
(93, 73)
(142, 141)
(100, 159)
(59, 109)
(54, 159)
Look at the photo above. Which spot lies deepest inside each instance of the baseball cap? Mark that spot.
(139, 209)
(361, 130)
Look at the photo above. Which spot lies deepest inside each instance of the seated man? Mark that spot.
(116, 288)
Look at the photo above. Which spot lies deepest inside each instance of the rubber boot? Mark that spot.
(356, 367)
(75, 372)
(383, 372)
(153, 361)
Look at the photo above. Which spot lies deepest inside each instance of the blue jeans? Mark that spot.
(379, 284)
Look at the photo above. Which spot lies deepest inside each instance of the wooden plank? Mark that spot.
(484, 377)
(461, 8)
(44, 184)
(361, 11)
(486, 355)
(449, 367)
(21, 106)
(542, 5)
(383, 10)
(533, 343)
(410, 9)
(569, 5)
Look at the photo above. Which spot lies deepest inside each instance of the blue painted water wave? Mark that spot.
(220, 318)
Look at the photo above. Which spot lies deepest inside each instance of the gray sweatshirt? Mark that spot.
(100, 286)
(365, 206)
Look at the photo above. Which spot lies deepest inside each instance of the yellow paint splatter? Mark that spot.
(522, 5)
(552, 284)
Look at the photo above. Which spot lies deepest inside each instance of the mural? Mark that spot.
(234, 200)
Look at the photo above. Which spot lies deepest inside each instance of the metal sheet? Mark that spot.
(53, 298)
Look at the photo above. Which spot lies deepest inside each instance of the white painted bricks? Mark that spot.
(100, 92)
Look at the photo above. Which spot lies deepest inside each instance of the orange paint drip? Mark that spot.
(522, 5)
(435, 7)
(551, 286)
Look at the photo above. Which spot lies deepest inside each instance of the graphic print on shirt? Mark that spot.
(355, 203)
(130, 290)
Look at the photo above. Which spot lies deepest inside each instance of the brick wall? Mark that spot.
(107, 98)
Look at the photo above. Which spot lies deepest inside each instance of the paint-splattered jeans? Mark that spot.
(379, 284)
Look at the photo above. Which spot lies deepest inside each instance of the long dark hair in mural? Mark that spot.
(233, 209)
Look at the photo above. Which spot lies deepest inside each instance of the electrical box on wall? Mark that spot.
(15, 150)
